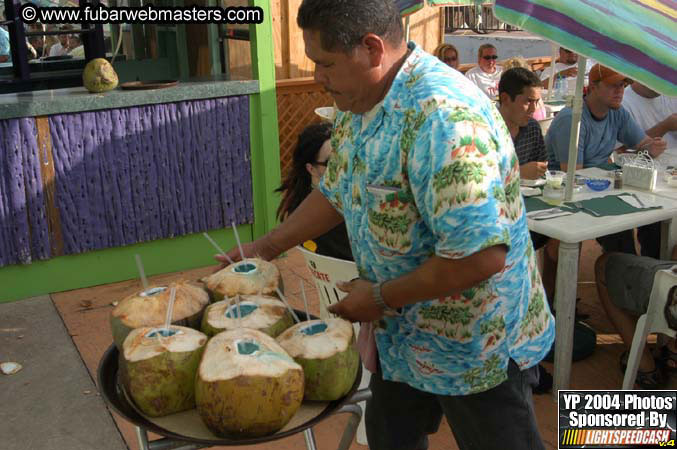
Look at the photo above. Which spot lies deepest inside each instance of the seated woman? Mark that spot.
(624, 284)
(308, 165)
(448, 54)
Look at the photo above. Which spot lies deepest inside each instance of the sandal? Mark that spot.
(650, 380)
(668, 359)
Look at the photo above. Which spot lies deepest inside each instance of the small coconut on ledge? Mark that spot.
(99, 76)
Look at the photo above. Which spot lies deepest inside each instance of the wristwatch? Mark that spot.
(378, 299)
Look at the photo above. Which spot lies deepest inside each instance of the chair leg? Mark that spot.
(638, 343)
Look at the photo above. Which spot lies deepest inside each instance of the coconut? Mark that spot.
(159, 367)
(99, 76)
(251, 276)
(259, 312)
(247, 385)
(148, 309)
(326, 351)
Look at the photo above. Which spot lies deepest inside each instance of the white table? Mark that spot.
(571, 231)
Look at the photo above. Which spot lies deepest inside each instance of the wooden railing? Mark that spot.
(297, 99)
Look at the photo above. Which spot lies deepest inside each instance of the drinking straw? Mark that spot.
(237, 238)
(142, 274)
(305, 301)
(239, 312)
(284, 300)
(170, 308)
(218, 249)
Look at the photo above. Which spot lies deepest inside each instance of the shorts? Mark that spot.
(629, 280)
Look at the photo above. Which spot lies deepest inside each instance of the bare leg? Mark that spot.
(549, 275)
(623, 321)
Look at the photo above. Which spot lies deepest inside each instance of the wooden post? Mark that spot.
(49, 185)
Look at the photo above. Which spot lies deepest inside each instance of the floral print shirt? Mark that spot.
(435, 173)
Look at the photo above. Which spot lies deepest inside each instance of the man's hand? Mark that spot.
(655, 146)
(262, 248)
(670, 122)
(570, 72)
(533, 170)
(358, 305)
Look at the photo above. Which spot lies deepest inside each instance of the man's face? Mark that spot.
(347, 76)
(611, 95)
(488, 59)
(523, 107)
(568, 57)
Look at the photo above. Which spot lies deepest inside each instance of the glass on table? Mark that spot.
(554, 178)
(553, 195)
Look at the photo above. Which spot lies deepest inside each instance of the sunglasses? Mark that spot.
(488, 57)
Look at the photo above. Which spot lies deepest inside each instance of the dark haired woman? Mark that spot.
(308, 164)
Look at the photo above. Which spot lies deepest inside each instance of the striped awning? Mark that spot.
(637, 38)
(407, 7)
(458, 2)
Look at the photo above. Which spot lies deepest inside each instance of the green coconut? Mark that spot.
(251, 276)
(159, 367)
(148, 308)
(259, 312)
(99, 76)
(247, 386)
(326, 351)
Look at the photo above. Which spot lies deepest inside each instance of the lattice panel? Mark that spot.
(295, 111)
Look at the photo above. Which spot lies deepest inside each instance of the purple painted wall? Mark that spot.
(129, 175)
(23, 223)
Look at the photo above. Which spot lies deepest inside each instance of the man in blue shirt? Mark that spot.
(603, 122)
(425, 176)
(5, 53)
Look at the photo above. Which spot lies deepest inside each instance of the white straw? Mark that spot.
(142, 274)
(170, 308)
(305, 301)
(237, 238)
(218, 249)
(239, 312)
(284, 300)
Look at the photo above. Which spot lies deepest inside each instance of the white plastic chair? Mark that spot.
(545, 124)
(653, 321)
(326, 272)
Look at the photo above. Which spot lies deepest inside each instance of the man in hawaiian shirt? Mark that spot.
(426, 178)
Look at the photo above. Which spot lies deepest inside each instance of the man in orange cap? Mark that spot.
(603, 122)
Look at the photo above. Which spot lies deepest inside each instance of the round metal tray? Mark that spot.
(116, 399)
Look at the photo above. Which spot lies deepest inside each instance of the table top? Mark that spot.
(581, 226)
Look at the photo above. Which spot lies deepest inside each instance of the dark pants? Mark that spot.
(400, 417)
(622, 242)
(649, 237)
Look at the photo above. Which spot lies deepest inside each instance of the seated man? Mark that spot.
(5, 53)
(657, 114)
(565, 66)
(519, 91)
(603, 122)
(624, 284)
(486, 74)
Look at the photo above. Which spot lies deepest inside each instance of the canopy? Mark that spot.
(634, 37)
(407, 7)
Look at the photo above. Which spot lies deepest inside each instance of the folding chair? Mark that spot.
(326, 272)
(653, 321)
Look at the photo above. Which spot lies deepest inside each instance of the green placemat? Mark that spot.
(609, 205)
(608, 166)
(536, 204)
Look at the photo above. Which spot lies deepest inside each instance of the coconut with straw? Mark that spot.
(147, 308)
(159, 364)
(259, 312)
(246, 277)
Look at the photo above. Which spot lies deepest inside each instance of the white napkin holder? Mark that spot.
(640, 171)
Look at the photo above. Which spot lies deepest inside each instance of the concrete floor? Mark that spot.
(53, 403)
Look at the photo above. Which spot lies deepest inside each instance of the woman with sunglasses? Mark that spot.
(309, 163)
(448, 54)
(486, 74)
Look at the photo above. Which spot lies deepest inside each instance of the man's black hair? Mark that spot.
(343, 23)
(513, 81)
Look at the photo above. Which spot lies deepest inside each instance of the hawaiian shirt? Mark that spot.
(435, 173)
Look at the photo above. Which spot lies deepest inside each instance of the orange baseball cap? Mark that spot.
(599, 72)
